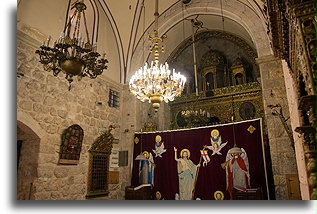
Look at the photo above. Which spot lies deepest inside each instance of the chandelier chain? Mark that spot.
(85, 22)
(156, 83)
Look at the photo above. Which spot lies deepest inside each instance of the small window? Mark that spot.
(113, 99)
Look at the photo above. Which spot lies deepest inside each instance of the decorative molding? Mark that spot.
(222, 107)
(118, 39)
(28, 39)
(266, 59)
(133, 35)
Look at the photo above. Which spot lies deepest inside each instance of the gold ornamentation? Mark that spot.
(158, 195)
(214, 133)
(252, 54)
(185, 150)
(136, 140)
(225, 101)
(146, 154)
(251, 129)
(218, 195)
(158, 138)
(156, 83)
(103, 144)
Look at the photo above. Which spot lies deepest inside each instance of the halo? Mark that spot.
(221, 193)
(136, 140)
(146, 153)
(214, 132)
(158, 138)
(159, 195)
(185, 150)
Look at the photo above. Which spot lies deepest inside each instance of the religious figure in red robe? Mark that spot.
(237, 170)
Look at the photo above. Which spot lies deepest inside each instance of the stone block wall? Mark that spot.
(46, 101)
(27, 165)
(282, 153)
(298, 140)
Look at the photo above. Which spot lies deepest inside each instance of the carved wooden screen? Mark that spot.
(98, 172)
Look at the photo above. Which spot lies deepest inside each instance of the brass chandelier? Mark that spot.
(71, 54)
(156, 83)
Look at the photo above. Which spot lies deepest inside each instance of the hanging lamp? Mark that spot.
(156, 83)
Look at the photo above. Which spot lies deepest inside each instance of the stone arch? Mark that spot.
(250, 20)
(29, 137)
(25, 120)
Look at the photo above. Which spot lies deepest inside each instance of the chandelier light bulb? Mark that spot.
(156, 83)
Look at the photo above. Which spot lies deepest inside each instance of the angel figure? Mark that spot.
(146, 169)
(216, 143)
(159, 146)
(237, 170)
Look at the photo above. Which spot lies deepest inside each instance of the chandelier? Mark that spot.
(71, 54)
(156, 83)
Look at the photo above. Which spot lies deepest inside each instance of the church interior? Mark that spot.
(103, 115)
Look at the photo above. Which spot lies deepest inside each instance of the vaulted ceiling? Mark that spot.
(122, 24)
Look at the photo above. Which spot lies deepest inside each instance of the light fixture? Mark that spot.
(71, 54)
(156, 83)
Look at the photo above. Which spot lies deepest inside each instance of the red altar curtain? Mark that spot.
(212, 177)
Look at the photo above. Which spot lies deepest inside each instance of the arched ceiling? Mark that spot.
(122, 24)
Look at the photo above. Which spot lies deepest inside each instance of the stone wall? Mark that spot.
(282, 152)
(295, 122)
(27, 162)
(45, 99)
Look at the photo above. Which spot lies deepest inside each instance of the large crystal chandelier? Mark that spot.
(156, 83)
(71, 54)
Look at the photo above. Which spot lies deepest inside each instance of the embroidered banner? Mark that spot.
(233, 157)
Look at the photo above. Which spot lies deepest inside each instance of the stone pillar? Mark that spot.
(295, 122)
(281, 150)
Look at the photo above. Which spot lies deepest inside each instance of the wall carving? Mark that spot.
(223, 106)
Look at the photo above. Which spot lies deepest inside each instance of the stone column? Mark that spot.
(295, 122)
(281, 150)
